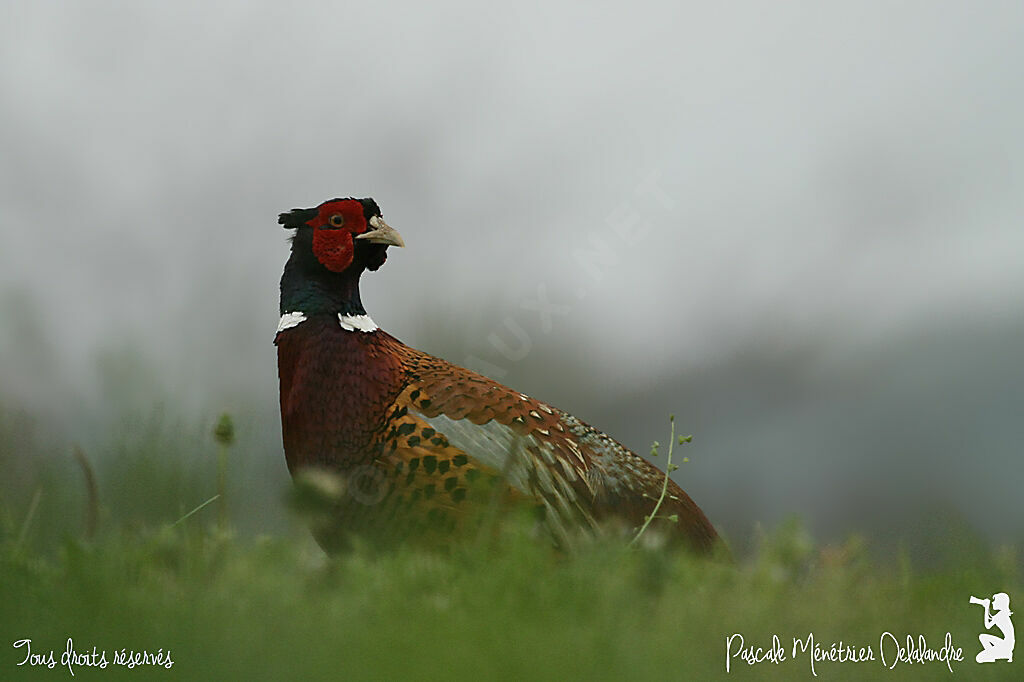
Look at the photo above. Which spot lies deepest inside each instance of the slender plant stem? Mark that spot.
(664, 486)
(194, 510)
(92, 505)
(222, 482)
(31, 513)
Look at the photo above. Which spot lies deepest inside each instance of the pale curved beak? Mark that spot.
(382, 233)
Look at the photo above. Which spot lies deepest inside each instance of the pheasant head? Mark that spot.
(332, 246)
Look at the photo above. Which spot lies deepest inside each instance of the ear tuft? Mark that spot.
(297, 217)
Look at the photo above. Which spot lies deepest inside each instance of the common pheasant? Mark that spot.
(424, 446)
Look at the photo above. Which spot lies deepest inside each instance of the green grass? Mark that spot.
(276, 608)
(244, 606)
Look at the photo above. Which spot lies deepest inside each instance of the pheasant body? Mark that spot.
(427, 445)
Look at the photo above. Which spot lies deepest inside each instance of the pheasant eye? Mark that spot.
(337, 220)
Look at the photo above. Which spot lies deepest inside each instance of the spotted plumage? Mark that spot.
(429, 448)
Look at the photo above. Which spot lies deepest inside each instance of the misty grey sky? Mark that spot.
(843, 170)
(847, 177)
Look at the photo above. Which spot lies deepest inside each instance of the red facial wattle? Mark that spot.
(333, 248)
(333, 229)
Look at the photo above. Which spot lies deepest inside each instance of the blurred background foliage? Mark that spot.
(901, 445)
